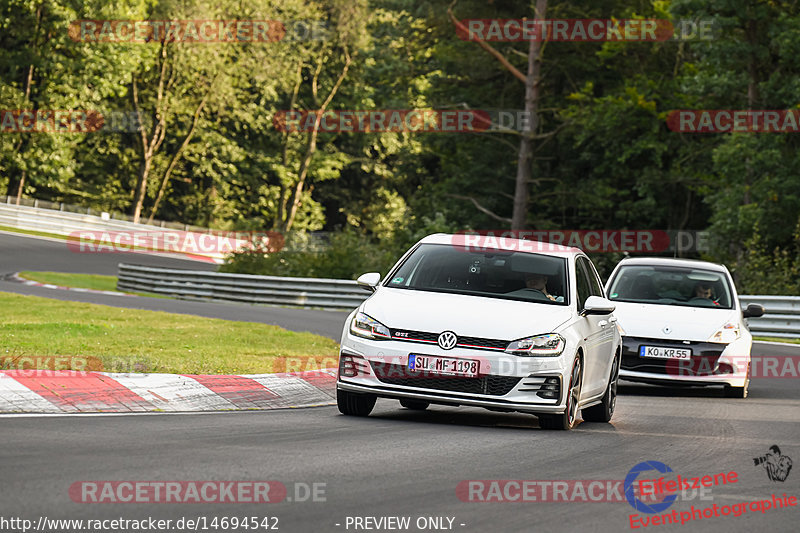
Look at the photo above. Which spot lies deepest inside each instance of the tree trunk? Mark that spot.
(277, 222)
(296, 198)
(150, 146)
(20, 187)
(141, 186)
(524, 166)
(177, 156)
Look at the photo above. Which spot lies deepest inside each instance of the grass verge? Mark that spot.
(43, 333)
(79, 281)
(11, 229)
(777, 339)
(82, 281)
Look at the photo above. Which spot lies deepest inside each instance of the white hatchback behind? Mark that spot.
(508, 325)
(682, 324)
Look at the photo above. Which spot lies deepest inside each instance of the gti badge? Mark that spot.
(447, 340)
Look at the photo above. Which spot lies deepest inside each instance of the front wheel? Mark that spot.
(570, 416)
(603, 411)
(735, 392)
(354, 404)
(738, 392)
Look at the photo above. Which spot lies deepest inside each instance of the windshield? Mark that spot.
(691, 287)
(496, 274)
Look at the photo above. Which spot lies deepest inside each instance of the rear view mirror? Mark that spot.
(369, 280)
(753, 311)
(595, 305)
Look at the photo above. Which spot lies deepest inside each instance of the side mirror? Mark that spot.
(369, 281)
(595, 305)
(754, 311)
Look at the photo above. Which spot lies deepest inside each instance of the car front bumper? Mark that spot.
(505, 382)
(710, 363)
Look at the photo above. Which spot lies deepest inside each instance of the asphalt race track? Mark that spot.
(21, 252)
(401, 463)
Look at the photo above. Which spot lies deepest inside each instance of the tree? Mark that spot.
(527, 136)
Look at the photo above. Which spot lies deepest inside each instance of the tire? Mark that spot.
(354, 404)
(414, 405)
(735, 392)
(567, 420)
(603, 411)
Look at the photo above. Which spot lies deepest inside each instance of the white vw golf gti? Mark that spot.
(506, 324)
(682, 324)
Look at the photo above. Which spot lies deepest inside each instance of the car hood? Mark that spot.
(472, 316)
(671, 321)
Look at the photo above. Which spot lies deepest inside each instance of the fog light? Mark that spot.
(550, 389)
(351, 366)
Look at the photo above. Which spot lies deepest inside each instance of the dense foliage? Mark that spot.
(209, 154)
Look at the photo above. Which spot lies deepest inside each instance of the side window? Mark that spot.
(582, 283)
(594, 279)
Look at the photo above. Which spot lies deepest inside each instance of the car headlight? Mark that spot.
(365, 326)
(549, 345)
(727, 333)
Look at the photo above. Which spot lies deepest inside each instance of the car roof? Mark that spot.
(496, 241)
(672, 261)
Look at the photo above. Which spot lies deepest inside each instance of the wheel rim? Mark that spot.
(574, 392)
(612, 386)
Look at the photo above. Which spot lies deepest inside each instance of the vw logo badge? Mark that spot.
(447, 340)
(667, 330)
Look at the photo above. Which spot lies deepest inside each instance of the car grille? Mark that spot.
(424, 337)
(703, 362)
(393, 374)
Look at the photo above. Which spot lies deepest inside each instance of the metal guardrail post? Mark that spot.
(782, 317)
(242, 288)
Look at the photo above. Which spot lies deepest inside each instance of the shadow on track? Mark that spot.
(440, 415)
(640, 389)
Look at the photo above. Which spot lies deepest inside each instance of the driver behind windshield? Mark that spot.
(538, 282)
(703, 290)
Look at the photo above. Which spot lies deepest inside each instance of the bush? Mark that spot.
(346, 255)
(764, 271)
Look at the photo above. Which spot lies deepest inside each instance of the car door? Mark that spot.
(606, 345)
(595, 330)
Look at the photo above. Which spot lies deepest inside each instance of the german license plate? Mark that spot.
(661, 352)
(446, 366)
